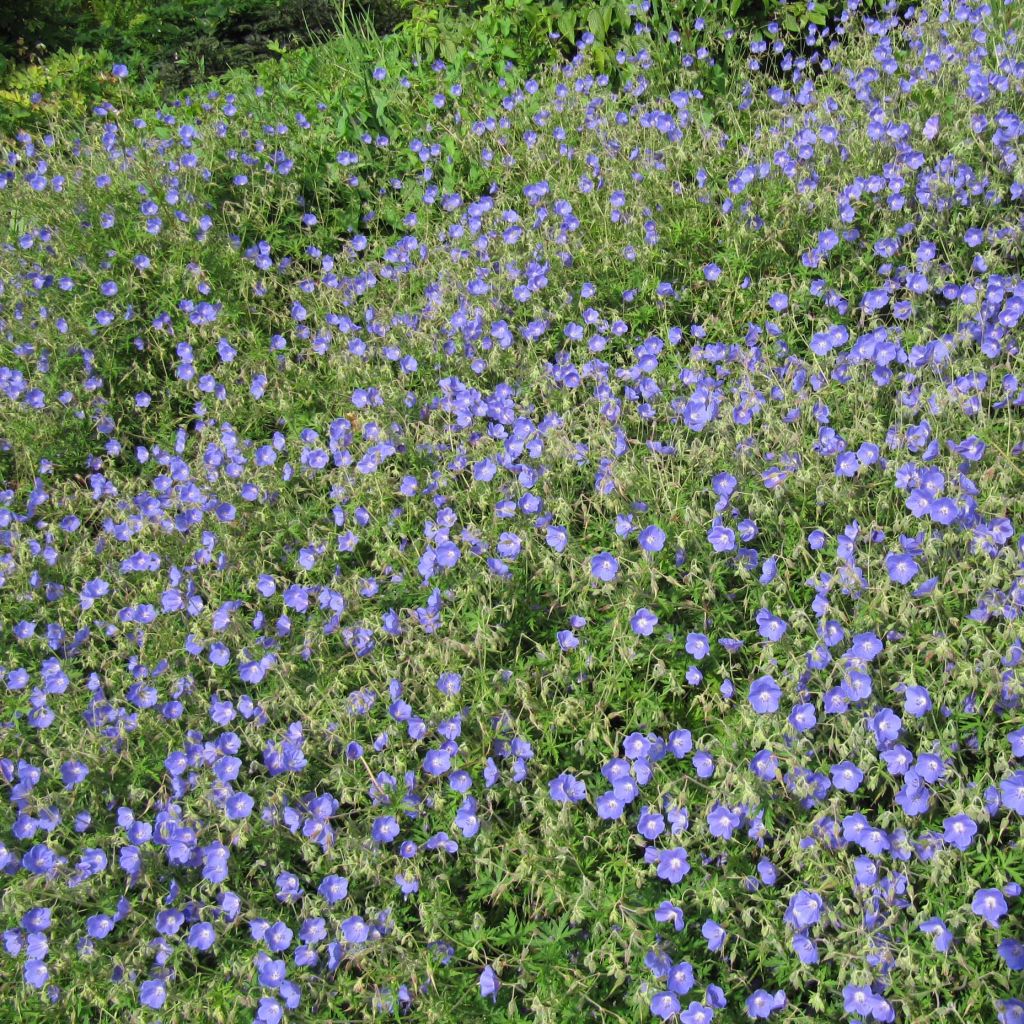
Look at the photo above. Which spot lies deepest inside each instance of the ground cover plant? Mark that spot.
(589, 591)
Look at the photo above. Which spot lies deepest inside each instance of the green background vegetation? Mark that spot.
(55, 58)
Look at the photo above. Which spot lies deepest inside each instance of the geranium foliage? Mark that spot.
(595, 595)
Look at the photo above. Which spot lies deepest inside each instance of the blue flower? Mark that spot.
(153, 993)
(333, 888)
(567, 788)
(489, 983)
(847, 776)
(902, 568)
(804, 910)
(604, 566)
(859, 1000)
(201, 936)
(680, 978)
(1012, 953)
(759, 1004)
(680, 742)
(764, 695)
(466, 820)
(567, 639)
(959, 831)
(643, 622)
(651, 538)
(239, 806)
(664, 1005)
(771, 627)
(36, 973)
(990, 905)
(609, 806)
(269, 1011)
(673, 865)
(805, 948)
(650, 824)
(1011, 790)
(437, 762)
(669, 913)
(714, 933)
(942, 937)
(721, 538)
(697, 645)
(385, 829)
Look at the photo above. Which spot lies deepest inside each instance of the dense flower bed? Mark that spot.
(601, 599)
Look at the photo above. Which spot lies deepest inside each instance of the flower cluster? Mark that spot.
(606, 569)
